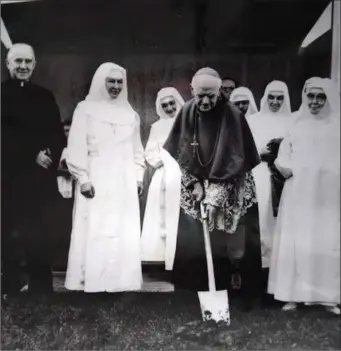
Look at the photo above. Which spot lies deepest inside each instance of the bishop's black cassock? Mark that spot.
(30, 122)
(216, 148)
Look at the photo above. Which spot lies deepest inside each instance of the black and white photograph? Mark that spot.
(170, 175)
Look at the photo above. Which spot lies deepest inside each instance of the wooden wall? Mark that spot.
(157, 42)
(157, 49)
(68, 76)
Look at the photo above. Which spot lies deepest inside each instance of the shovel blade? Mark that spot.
(214, 306)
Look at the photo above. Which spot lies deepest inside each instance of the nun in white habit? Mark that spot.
(161, 216)
(272, 122)
(299, 111)
(305, 262)
(105, 155)
(243, 98)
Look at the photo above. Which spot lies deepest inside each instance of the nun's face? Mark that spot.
(168, 105)
(114, 83)
(242, 103)
(275, 100)
(205, 98)
(21, 65)
(316, 100)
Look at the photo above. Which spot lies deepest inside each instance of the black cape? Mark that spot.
(235, 152)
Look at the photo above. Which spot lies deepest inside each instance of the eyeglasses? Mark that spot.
(166, 104)
(278, 97)
(228, 89)
(319, 97)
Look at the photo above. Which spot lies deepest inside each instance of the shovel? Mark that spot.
(214, 304)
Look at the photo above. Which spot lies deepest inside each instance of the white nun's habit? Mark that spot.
(104, 148)
(161, 216)
(305, 262)
(266, 125)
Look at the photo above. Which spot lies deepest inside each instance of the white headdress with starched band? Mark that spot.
(168, 92)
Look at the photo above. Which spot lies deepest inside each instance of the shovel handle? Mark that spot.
(208, 249)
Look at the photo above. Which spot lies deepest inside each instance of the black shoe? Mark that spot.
(250, 304)
(44, 287)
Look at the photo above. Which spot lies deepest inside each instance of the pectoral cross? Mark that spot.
(194, 144)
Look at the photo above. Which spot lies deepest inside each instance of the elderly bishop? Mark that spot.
(214, 148)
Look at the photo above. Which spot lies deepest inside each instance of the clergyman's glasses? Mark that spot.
(228, 89)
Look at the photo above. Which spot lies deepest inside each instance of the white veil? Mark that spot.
(239, 94)
(98, 92)
(299, 111)
(165, 92)
(319, 131)
(276, 85)
(266, 125)
(332, 106)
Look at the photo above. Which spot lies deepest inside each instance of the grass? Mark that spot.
(156, 321)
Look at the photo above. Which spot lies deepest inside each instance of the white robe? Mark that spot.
(160, 224)
(104, 147)
(264, 127)
(267, 125)
(305, 262)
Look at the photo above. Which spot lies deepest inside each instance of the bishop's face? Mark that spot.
(168, 105)
(205, 98)
(316, 100)
(114, 83)
(21, 65)
(275, 100)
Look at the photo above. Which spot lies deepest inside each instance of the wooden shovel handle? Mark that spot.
(208, 249)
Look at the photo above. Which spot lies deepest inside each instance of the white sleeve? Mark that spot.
(77, 149)
(138, 152)
(152, 152)
(284, 159)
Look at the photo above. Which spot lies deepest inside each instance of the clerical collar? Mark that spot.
(21, 83)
